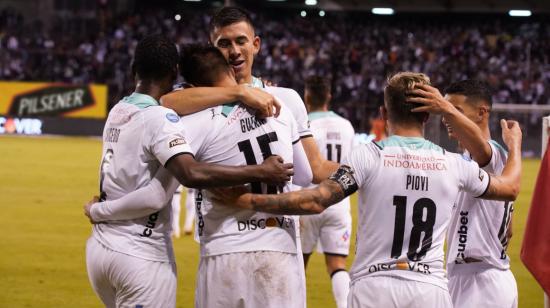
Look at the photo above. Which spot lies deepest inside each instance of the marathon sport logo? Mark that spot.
(51, 101)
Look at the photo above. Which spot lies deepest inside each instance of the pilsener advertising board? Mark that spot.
(38, 99)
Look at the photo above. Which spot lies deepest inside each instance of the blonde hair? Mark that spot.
(395, 97)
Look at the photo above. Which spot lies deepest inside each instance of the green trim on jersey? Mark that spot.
(227, 108)
(312, 116)
(413, 143)
(498, 146)
(257, 83)
(139, 100)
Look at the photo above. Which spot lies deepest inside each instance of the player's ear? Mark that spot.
(257, 43)
(483, 112)
(384, 112)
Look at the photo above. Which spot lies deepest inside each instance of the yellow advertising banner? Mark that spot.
(35, 99)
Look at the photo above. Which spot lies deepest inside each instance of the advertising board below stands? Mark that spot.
(36, 108)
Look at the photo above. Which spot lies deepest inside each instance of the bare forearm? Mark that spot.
(470, 136)
(211, 175)
(192, 100)
(320, 167)
(302, 202)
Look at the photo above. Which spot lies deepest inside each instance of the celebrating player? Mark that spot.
(246, 257)
(332, 228)
(477, 264)
(407, 187)
(232, 32)
(130, 262)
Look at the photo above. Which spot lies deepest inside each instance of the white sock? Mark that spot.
(340, 288)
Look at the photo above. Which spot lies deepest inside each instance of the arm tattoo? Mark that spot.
(308, 201)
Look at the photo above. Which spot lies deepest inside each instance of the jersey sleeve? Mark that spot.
(498, 158)
(139, 203)
(196, 135)
(473, 179)
(361, 160)
(168, 135)
(297, 107)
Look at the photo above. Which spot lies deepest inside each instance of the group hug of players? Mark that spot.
(253, 152)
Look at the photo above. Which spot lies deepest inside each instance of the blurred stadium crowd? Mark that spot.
(355, 51)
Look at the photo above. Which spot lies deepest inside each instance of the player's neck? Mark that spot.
(406, 131)
(320, 109)
(150, 88)
(485, 131)
(247, 79)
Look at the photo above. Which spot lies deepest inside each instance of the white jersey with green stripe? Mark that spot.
(407, 187)
(334, 137)
(140, 136)
(232, 135)
(479, 228)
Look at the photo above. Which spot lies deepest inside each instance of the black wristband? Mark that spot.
(344, 177)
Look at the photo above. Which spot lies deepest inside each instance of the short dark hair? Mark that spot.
(476, 91)
(395, 96)
(202, 65)
(318, 89)
(227, 16)
(155, 58)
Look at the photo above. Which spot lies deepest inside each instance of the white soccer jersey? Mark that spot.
(139, 137)
(407, 187)
(292, 101)
(236, 137)
(478, 229)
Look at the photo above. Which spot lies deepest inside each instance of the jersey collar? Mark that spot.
(140, 100)
(257, 82)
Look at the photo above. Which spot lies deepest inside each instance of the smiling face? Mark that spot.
(239, 45)
(466, 108)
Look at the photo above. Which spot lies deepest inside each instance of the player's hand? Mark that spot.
(511, 133)
(88, 207)
(431, 99)
(236, 196)
(275, 171)
(264, 103)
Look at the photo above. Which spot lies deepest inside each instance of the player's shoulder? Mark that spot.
(369, 149)
(288, 96)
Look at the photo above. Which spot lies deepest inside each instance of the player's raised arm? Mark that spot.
(194, 174)
(506, 186)
(191, 100)
(466, 131)
(302, 202)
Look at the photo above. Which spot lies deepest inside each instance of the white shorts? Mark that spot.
(332, 229)
(265, 279)
(480, 285)
(121, 280)
(390, 292)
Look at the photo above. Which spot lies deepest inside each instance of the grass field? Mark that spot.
(45, 181)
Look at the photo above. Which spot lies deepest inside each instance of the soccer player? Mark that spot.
(247, 258)
(407, 186)
(332, 228)
(232, 32)
(477, 264)
(130, 262)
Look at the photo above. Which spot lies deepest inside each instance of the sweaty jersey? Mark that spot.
(334, 137)
(231, 135)
(139, 138)
(479, 228)
(407, 187)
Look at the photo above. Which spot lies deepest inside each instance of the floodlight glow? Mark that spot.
(519, 13)
(322, 13)
(177, 17)
(382, 11)
(311, 2)
(303, 13)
